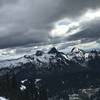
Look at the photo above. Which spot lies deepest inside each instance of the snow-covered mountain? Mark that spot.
(60, 72)
(39, 59)
(53, 59)
(52, 56)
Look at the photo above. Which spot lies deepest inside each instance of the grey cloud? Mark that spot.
(29, 21)
(73, 9)
(91, 33)
(17, 20)
(19, 39)
(4, 2)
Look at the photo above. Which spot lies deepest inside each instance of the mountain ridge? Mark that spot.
(53, 60)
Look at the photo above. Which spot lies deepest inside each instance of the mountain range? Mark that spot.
(60, 73)
(53, 60)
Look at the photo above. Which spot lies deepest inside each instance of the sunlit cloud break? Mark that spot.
(66, 27)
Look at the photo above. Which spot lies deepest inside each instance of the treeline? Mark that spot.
(30, 90)
(94, 59)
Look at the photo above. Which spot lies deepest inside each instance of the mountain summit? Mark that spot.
(53, 51)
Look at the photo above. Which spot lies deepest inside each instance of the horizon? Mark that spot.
(27, 25)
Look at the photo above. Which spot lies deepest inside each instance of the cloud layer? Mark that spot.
(30, 21)
(28, 25)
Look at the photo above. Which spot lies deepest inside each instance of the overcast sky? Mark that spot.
(39, 22)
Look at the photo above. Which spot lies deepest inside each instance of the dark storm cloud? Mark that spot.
(19, 39)
(73, 8)
(30, 21)
(91, 33)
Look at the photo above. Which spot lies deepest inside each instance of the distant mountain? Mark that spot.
(39, 53)
(52, 61)
(78, 55)
(53, 51)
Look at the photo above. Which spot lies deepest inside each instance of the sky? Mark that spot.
(28, 25)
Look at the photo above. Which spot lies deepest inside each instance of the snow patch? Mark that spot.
(2, 98)
(22, 88)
